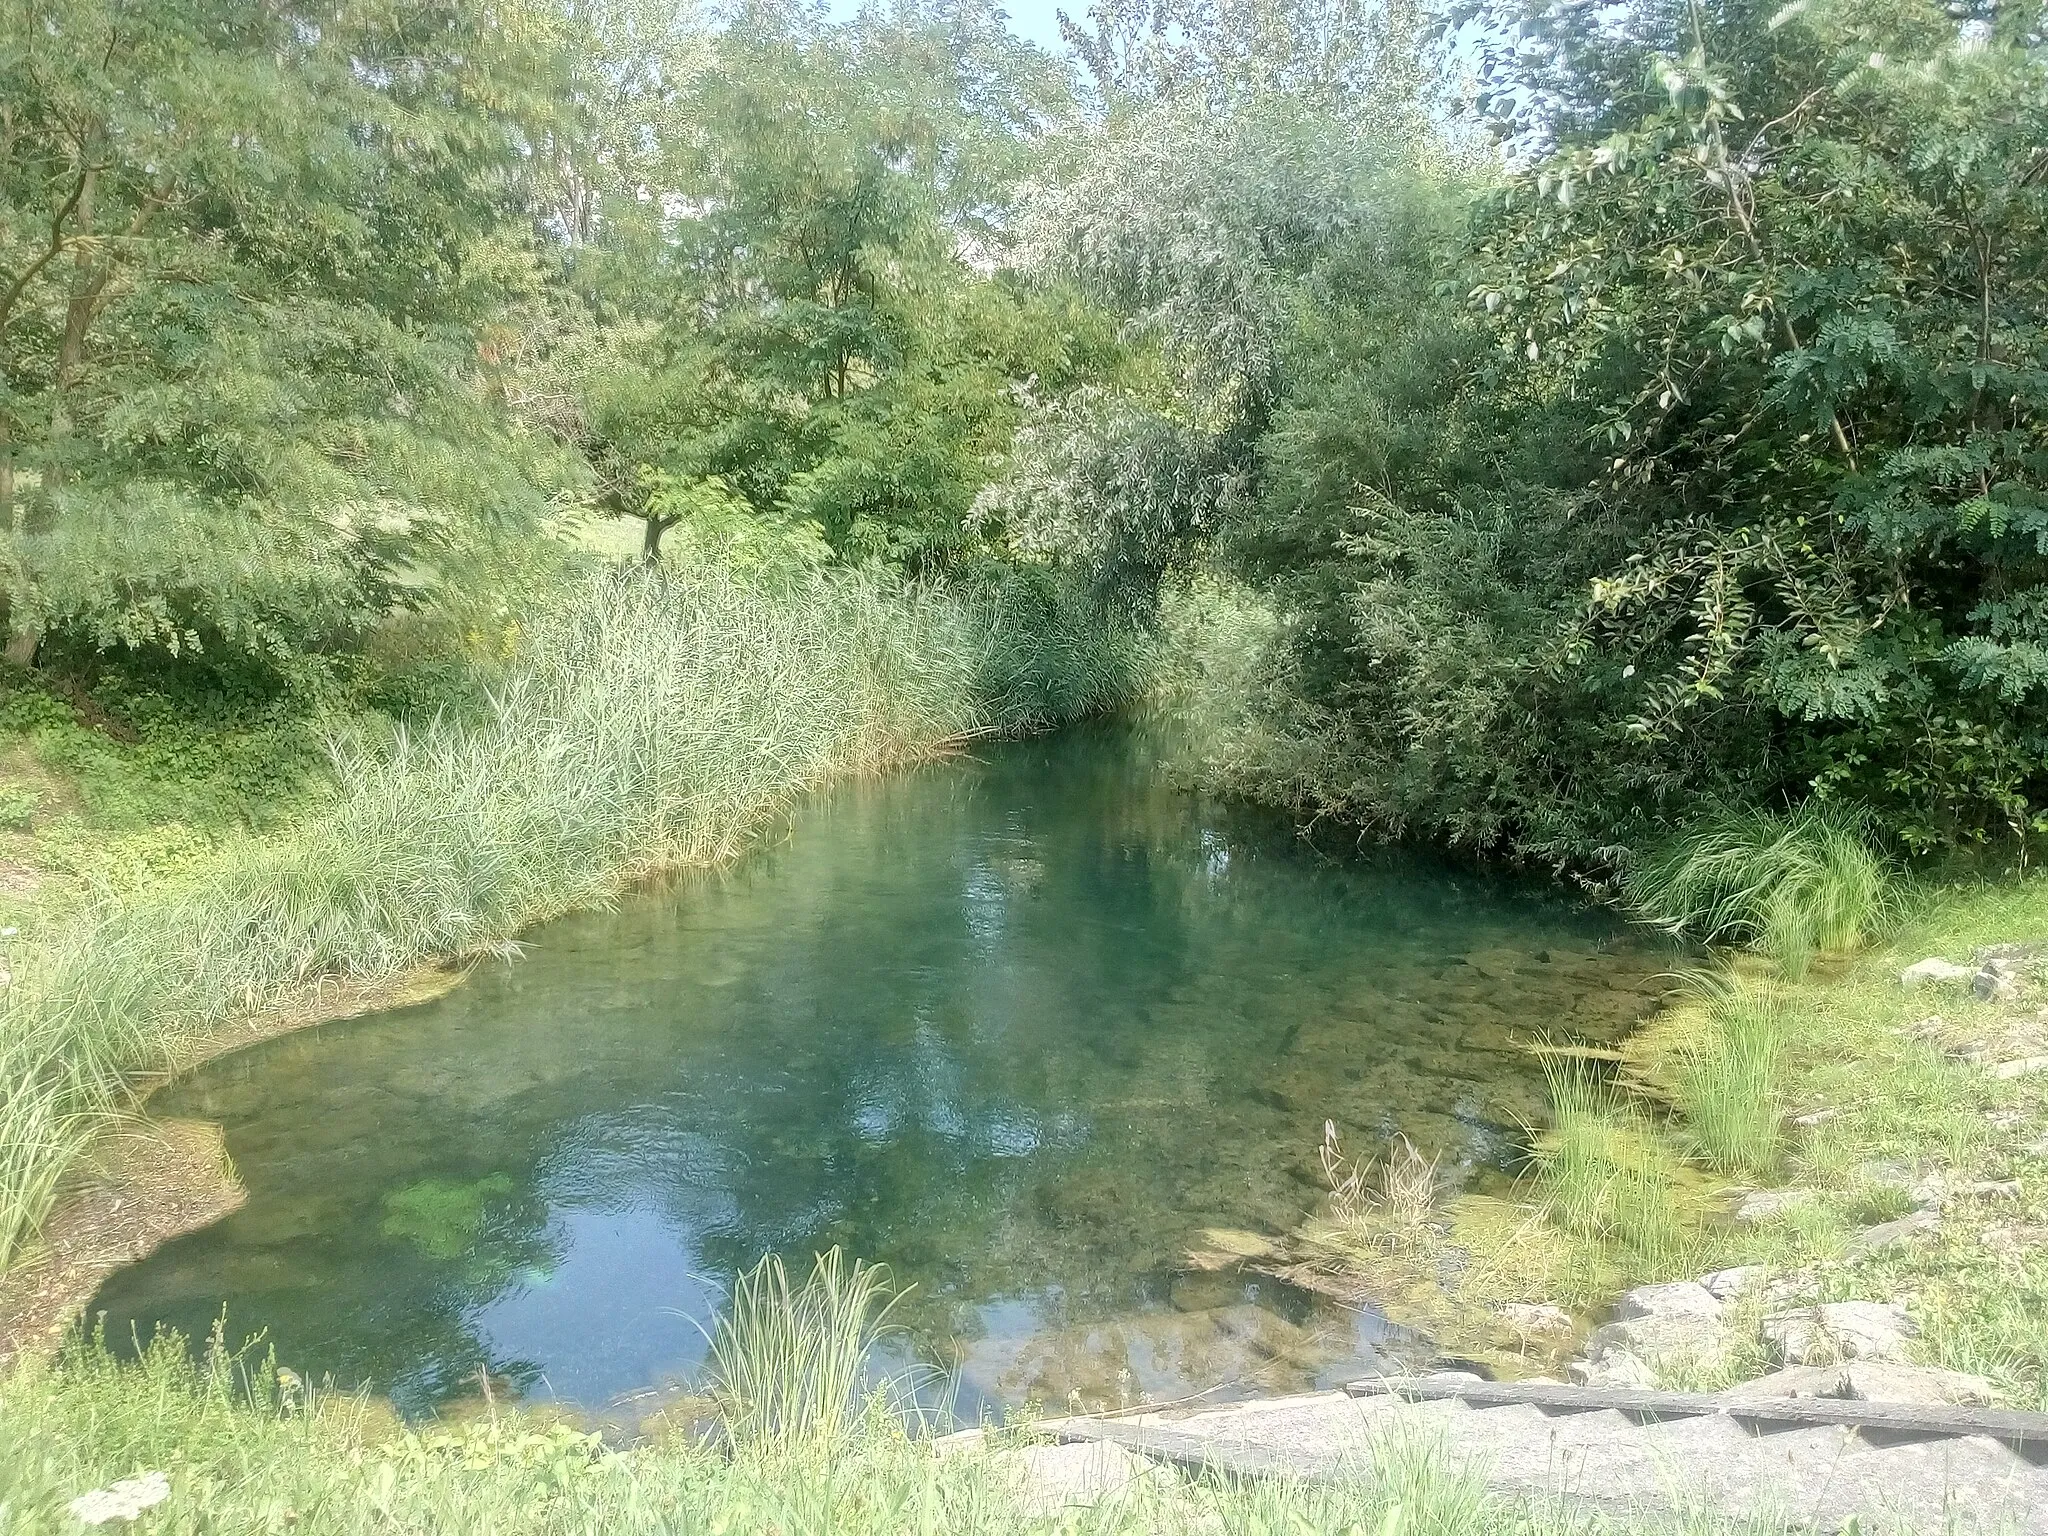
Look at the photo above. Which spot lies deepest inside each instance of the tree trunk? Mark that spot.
(23, 644)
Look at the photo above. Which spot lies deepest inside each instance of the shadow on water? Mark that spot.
(1020, 1026)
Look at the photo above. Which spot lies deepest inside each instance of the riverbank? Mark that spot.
(648, 723)
(1856, 1165)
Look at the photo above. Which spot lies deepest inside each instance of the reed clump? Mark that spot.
(790, 1364)
(1601, 1171)
(1791, 887)
(650, 721)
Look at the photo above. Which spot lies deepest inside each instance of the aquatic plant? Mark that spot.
(652, 721)
(790, 1366)
(1790, 886)
(1600, 1170)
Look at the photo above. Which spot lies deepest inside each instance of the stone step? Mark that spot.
(1623, 1462)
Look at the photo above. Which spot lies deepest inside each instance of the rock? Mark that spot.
(1815, 1118)
(1933, 969)
(1867, 1381)
(1616, 1368)
(1677, 1298)
(1727, 1284)
(1840, 1330)
(124, 1500)
(1525, 1317)
(2026, 1066)
(1663, 1340)
(1771, 1204)
(1056, 1477)
(1880, 1381)
(1886, 1234)
(2018, 956)
(1996, 982)
(1994, 1189)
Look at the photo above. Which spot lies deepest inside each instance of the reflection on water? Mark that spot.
(1019, 1026)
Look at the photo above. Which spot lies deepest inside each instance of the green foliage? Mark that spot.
(239, 398)
(1790, 886)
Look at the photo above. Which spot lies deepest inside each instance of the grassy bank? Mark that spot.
(240, 1450)
(646, 722)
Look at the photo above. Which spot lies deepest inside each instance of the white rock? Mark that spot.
(1676, 1298)
(2026, 1066)
(1771, 1204)
(123, 1500)
(1815, 1118)
(1840, 1330)
(1056, 1477)
(1665, 1339)
(1933, 969)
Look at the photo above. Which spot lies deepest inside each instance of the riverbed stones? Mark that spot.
(1533, 1318)
(1836, 1331)
(1889, 1234)
(1656, 1327)
(1729, 1284)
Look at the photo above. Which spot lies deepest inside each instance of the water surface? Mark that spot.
(1021, 1025)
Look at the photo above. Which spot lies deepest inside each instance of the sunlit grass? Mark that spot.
(1730, 1079)
(242, 1453)
(790, 1365)
(1602, 1172)
(1792, 887)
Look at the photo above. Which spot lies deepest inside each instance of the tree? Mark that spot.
(245, 254)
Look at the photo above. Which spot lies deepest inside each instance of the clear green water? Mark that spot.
(1020, 1026)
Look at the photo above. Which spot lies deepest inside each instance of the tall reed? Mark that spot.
(1790, 886)
(1730, 1078)
(652, 721)
(1601, 1172)
(790, 1366)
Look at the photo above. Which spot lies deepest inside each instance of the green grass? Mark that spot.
(1792, 887)
(246, 1452)
(1730, 1082)
(790, 1365)
(650, 721)
(1603, 1174)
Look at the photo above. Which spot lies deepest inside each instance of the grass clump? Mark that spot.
(1730, 1079)
(1602, 1172)
(790, 1366)
(651, 721)
(1791, 887)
